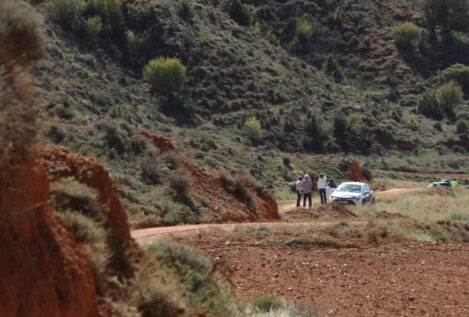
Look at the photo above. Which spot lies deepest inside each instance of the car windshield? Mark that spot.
(353, 188)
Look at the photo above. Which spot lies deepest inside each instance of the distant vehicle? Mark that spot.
(353, 193)
(442, 183)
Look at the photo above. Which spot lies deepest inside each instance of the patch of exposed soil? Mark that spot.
(394, 279)
(329, 210)
(389, 215)
(209, 191)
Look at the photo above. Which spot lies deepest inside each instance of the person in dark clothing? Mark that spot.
(299, 191)
(332, 184)
(307, 191)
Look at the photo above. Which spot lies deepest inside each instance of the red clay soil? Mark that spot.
(355, 173)
(43, 271)
(61, 163)
(163, 143)
(397, 279)
(329, 210)
(210, 192)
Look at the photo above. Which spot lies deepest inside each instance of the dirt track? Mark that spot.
(150, 235)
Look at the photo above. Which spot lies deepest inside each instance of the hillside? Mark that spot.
(95, 100)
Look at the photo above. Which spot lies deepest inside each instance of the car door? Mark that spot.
(366, 194)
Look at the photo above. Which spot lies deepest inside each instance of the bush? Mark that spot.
(303, 33)
(197, 274)
(94, 27)
(268, 303)
(450, 95)
(461, 127)
(115, 139)
(446, 15)
(109, 11)
(165, 75)
(185, 9)
(237, 11)
(253, 128)
(367, 173)
(66, 13)
(428, 105)
(332, 68)
(458, 73)
(406, 36)
(240, 187)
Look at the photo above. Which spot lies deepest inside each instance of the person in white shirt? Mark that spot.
(299, 191)
(322, 189)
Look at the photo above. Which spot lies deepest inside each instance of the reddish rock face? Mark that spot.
(60, 163)
(355, 173)
(43, 271)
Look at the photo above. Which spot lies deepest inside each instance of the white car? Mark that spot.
(353, 193)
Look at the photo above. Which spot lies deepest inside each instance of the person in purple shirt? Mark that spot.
(307, 186)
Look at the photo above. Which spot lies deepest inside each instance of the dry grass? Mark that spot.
(427, 206)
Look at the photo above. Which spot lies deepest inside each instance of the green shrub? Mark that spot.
(151, 170)
(94, 27)
(197, 274)
(185, 9)
(458, 73)
(304, 30)
(461, 126)
(407, 35)
(428, 105)
(165, 75)
(268, 303)
(446, 15)
(115, 139)
(237, 11)
(109, 11)
(353, 118)
(253, 128)
(66, 13)
(240, 187)
(180, 184)
(332, 68)
(337, 17)
(303, 33)
(450, 95)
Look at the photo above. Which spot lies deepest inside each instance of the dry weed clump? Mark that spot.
(20, 46)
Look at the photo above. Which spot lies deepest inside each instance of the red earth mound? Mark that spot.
(44, 272)
(210, 192)
(61, 163)
(355, 173)
(329, 210)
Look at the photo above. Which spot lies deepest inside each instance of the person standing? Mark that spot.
(307, 187)
(322, 189)
(332, 184)
(299, 191)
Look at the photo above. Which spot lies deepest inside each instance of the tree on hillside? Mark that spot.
(446, 15)
(237, 11)
(165, 75)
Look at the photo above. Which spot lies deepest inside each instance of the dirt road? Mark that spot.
(150, 235)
